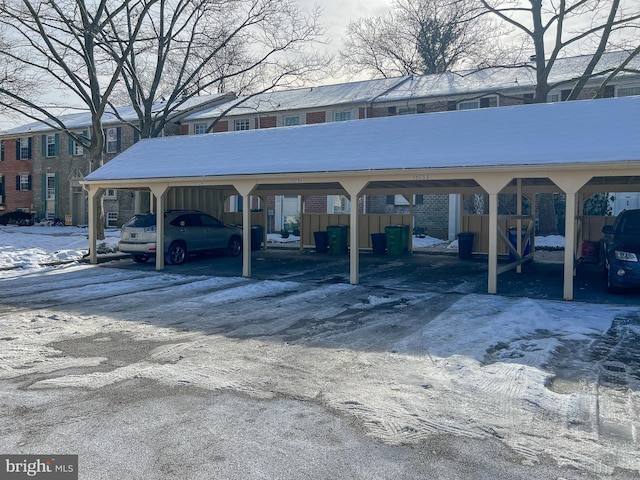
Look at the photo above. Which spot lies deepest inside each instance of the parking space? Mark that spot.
(421, 271)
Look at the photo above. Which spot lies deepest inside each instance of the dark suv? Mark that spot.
(185, 232)
(622, 251)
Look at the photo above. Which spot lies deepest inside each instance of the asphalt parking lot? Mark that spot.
(436, 271)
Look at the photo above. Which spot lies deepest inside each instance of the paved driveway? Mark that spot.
(197, 373)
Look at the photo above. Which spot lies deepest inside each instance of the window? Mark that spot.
(112, 219)
(25, 182)
(469, 105)
(241, 124)
(112, 140)
(23, 148)
(553, 97)
(341, 116)
(51, 146)
(76, 148)
(406, 111)
(109, 193)
(200, 128)
(628, 91)
(51, 186)
(291, 121)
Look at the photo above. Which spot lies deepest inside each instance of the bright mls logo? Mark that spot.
(49, 467)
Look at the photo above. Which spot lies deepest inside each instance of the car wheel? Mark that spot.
(234, 247)
(139, 257)
(177, 253)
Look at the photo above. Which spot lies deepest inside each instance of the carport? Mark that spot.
(578, 148)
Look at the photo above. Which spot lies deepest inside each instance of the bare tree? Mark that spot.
(552, 30)
(189, 48)
(63, 41)
(419, 37)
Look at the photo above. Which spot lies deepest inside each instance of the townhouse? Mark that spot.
(48, 165)
(438, 214)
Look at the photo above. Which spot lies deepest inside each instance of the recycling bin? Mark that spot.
(397, 239)
(513, 239)
(338, 239)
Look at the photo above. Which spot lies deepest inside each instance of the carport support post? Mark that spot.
(353, 188)
(493, 184)
(159, 191)
(245, 188)
(570, 184)
(94, 195)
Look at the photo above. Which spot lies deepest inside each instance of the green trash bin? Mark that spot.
(397, 239)
(338, 239)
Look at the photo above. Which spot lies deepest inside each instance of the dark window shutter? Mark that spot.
(419, 199)
(56, 185)
(17, 149)
(43, 145)
(2, 188)
(421, 108)
(118, 142)
(18, 183)
(609, 91)
(564, 94)
(57, 146)
(29, 143)
(239, 205)
(30, 182)
(136, 136)
(85, 135)
(43, 178)
(452, 105)
(391, 111)
(70, 146)
(485, 102)
(528, 98)
(391, 199)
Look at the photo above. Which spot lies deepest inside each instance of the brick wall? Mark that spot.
(10, 168)
(266, 122)
(221, 126)
(432, 214)
(316, 117)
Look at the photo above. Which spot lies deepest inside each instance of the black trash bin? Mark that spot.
(379, 242)
(322, 241)
(465, 244)
(257, 235)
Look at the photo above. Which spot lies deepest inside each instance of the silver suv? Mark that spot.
(186, 231)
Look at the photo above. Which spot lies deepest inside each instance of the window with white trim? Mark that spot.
(239, 125)
(112, 219)
(51, 150)
(291, 121)
(200, 128)
(469, 105)
(406, 111)
(51, 186)
(112, 140)
(628, 91)
(341, 116)
(553, 97)
(24, 148)
(24, 181)
(110, 193)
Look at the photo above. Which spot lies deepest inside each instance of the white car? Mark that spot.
(186, 232)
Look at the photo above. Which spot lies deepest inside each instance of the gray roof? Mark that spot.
(410, 87)
(576, 132)
(76, 121)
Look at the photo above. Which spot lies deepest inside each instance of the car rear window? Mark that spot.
(630, 222)
(141, 221)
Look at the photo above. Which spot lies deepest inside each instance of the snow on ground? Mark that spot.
(407, 365)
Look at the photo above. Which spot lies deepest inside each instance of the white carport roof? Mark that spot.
(575, 147)
(580, 132)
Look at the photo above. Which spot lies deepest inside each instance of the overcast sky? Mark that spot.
(336, 14)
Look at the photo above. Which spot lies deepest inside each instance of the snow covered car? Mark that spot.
(622, 251)
(186, 232)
